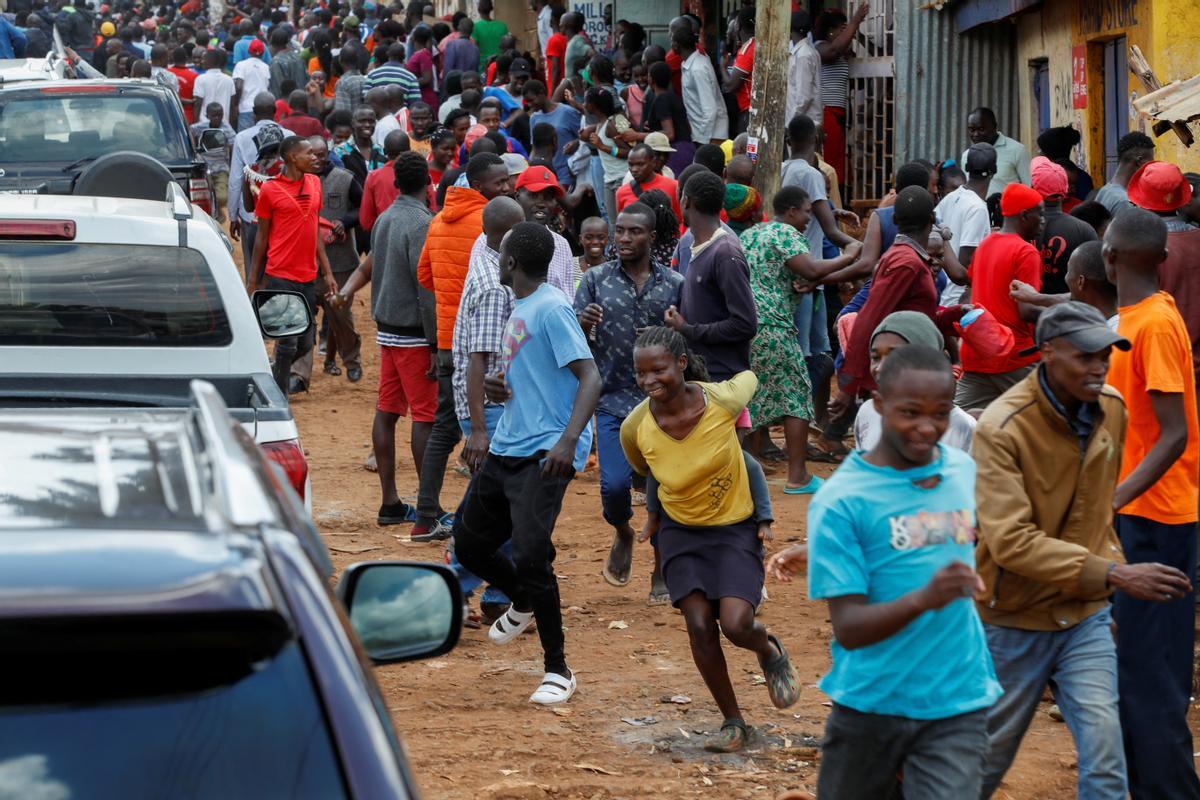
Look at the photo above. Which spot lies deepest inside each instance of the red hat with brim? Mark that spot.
(1159, 186)
(538, 179)
(256, 47)
(1018, 198)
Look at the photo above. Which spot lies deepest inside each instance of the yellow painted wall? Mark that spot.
(1045, 34)
(1175, 55)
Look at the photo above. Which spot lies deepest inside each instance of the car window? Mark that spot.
(108, 295)
(263, 736)
(52, 128)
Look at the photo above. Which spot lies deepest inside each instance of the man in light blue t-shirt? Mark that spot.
(549, 385)
(892, 538)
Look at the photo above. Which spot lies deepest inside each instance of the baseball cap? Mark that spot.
(350, 22)
(1159, 186)
(520, 66)
(1081, 324)
(256, 47)
(981, 159)
(658, 142)
(108, 29)
(515, 162)
(1048, 179)
(539, 178)
(1016, 198)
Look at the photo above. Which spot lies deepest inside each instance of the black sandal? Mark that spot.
(822, 456)
(733, 736)
(783, 684)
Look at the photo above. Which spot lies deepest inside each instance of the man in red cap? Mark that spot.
(538, 193)
(1160, 187)
(1002, 258)
(251, 77)
(1063, 233)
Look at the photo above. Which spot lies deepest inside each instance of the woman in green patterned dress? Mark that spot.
(777, 253)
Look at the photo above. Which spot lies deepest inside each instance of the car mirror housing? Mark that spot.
(281, 313)
(402, 610)
(212, 140)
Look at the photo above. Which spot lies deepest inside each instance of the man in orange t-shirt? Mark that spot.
(1156, 505)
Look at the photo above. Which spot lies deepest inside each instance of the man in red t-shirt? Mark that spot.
(287, 247)
(556, 50)
(740, 77)
(1000, 259)
(187, 81)
(645, 178)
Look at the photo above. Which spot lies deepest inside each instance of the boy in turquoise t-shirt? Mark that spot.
(891, 547)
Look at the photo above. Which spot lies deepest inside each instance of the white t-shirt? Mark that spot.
(868, 427)
(214, 86)
(255, 76)
(966, 215)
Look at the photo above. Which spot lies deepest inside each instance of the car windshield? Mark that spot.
(108, 295)
(64, 128)
(264, 735)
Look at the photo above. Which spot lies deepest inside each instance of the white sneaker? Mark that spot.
(555, 689)
(510, 625)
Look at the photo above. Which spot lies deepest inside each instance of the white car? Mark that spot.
(113, 302)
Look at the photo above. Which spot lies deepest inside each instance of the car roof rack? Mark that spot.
(181, 207)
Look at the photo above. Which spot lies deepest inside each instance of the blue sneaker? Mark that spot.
(397, 513)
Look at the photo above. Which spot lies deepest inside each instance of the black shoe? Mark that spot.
(296, 385)
(354, 374)
(397, 513)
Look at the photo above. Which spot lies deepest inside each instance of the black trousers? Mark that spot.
(290, 348)
(443, 439)
(509, 498)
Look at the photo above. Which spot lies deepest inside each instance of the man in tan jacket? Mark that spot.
(1049, 452)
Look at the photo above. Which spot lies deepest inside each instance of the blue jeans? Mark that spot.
(1154, 655)
(466, 580)
(812, 331)
(616, 476)
(1080, 664)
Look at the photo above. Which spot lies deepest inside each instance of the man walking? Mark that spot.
(549, 385)
(1044, 489)
(341, 197)
(1155, 503)
(287, 248)
(404, 316)
(614, 303)
(246, 146)
(251, 77)
(1062, 233)
(442, 269)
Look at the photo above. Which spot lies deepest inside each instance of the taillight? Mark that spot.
(290, 456)
(37, 229)
(199, 193)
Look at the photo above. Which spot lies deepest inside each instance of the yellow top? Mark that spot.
(701, 477)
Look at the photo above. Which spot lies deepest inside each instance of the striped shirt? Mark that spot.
(391, 73)
(483, 311)
(835, 82)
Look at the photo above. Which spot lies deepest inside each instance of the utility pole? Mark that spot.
(768, 92)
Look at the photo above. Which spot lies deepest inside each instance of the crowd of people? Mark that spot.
(568, 260)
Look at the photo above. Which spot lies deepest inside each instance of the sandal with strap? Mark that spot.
(732, 737)
(554, 689)
(511, 624)
(783, 684)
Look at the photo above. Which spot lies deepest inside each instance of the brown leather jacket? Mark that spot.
(1044, 509)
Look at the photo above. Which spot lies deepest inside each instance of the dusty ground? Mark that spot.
(465, 717)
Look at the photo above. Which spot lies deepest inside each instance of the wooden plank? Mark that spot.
(1142, 69)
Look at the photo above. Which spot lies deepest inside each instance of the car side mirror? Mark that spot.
(281, 313)
(402, 610)
(212, 140)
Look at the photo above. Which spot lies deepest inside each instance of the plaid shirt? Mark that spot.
(483, 312)
(348, 91)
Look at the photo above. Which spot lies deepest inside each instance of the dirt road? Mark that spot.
(466, 719)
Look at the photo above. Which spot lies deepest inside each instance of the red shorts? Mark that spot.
(403, 383)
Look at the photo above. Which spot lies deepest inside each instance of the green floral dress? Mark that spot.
(784, 389)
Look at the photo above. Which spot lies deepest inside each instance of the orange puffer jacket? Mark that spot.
(447, 254)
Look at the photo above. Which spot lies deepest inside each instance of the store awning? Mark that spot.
(973, 13)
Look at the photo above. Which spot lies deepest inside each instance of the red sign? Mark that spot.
(1079, 87)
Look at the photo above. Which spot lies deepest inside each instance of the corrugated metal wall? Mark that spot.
(942, 74)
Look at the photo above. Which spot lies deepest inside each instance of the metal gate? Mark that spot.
(871, 115)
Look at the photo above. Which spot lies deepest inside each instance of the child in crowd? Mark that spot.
(217, 157)
(708, 541)
(593, 235)
(892, 538)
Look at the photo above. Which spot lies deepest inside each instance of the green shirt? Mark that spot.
(487, 36)
(767, 247)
